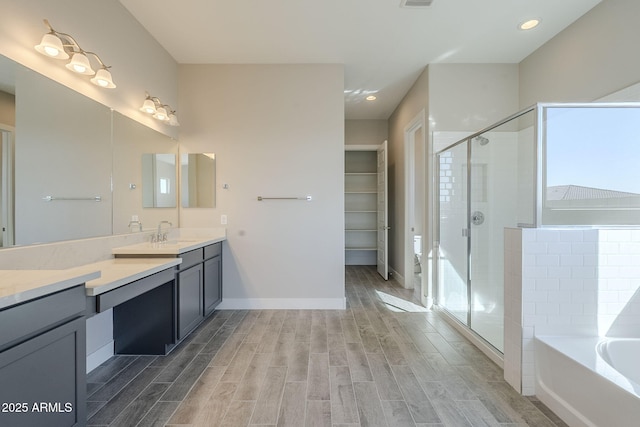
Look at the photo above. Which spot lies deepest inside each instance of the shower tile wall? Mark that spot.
(567, 282)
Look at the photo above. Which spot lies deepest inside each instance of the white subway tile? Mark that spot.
(571, 260)
(528, 235)
(621, 260)
(535, 248)
(560, 296)
(585, 272)
(571, 284)
(584, 248)
(528, 308)
(583, 320)
(571, 308)
(547, 284)
(547, 235)
(527, 333)
(560, 248)
(560, 272)
(547, 260)
(571, 235)
(547, 308)
(584, 297)
(534, 296)
(607, 297)
(608, 272)
(616, 235)
(560, 320)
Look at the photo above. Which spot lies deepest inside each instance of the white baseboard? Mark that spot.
(283, 304)
(397, 276)
(99, 356)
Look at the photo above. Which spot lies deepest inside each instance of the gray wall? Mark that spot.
(365, 132)
(595, 56)
(277, 131)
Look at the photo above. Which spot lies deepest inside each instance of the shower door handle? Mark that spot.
(477, 218)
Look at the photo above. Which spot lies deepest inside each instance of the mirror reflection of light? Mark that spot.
(399, 305)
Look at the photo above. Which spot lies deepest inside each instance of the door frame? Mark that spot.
(417, 123)
(7, 193)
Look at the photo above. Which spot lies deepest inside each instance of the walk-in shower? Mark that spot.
(481, 187)
(543, 167)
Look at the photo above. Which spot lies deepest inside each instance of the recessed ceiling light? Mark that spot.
(370, 98)
(529, 24)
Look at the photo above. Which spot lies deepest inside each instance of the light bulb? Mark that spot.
(161, 114)
(51, 51)
(148, 106)
(103, 79)
(51, 46)
(80, 64)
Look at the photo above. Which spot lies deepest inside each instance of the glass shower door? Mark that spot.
(453, 245)
(492, 180)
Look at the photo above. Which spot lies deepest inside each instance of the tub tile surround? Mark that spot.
(567, 282)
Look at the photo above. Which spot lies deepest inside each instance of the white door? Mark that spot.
(383, 221)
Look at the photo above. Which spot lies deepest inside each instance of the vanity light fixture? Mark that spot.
(163, 112)
(55, 44)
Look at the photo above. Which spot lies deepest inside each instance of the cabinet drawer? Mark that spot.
(125, 293)
(35, 316)
(212, 250)
(191, 258)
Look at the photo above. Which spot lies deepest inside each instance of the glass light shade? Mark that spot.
(161, 114)
(148, 106)
(103, 79)
(51, 46)
(80, 64)
(173, 119)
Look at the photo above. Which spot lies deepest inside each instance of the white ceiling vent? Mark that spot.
(415, 3)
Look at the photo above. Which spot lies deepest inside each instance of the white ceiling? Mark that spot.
(384, 47)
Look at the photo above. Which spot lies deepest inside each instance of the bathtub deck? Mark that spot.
(573, 380)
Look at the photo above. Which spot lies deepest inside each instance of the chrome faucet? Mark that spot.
(160, 236)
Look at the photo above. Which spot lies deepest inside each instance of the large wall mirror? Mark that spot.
(71, 167)
(135, 145)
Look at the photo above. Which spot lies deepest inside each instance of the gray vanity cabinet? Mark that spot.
(190, 296)
(212, 277)
(43, 361)
(199, 286)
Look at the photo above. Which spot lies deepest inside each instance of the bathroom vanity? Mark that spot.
(42, 347)
(192, 289)
(158, 293)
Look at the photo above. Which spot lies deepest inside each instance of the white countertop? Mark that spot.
(17, 286)
(174, 246)
(121, 271)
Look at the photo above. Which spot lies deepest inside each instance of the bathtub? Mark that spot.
(589, 381)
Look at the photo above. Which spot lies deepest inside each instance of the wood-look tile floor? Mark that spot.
(381, 362)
